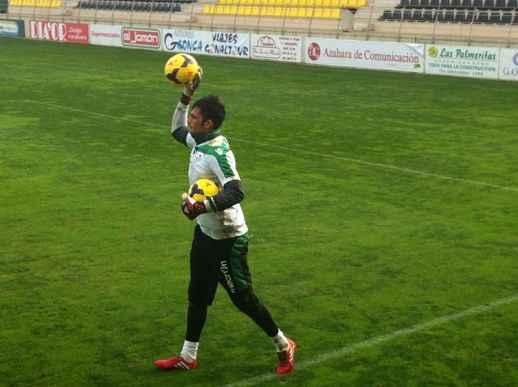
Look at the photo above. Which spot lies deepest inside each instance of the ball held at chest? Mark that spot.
(203, 189)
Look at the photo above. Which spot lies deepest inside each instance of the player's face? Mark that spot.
(196, 122)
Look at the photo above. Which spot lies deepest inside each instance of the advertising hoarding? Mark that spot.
(509, 64)
(12, 28)
(393, 56)
(276, 47)
(217, 43)
(106, 35)
(476, 62)
(141, 38)
(59, 32)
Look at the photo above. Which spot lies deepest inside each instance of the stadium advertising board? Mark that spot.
(218, 43)
(106, 35)
(276, 47)
(394, 56)
(59, 32)
(189, 41)
(509, 64)
(12, 28)
(476, 62)
(141, 38)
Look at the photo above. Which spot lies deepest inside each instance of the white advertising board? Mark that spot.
(476, 62)
(276, 47)
(106, 35)
(11, 28)
(394, 56)
(218, 43)
(58, 31)
(509, 64)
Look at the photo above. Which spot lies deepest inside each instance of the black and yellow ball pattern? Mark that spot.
(181, 69)
(203, 189)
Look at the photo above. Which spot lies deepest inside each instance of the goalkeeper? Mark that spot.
(220, 244)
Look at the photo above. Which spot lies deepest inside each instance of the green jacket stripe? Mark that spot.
(220, 153)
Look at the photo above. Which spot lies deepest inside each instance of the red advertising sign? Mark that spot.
(139, 37)
(59, 32)
(76, 33)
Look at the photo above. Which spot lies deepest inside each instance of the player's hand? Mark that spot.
(191, 87)
(191, 208)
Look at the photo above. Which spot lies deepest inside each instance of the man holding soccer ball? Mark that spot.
(220, 244)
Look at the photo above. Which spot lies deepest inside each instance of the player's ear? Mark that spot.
(208, 124)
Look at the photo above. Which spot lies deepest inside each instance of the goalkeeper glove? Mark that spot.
(191, 208)
(190, 88)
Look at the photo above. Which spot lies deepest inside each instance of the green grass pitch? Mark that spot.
(377, 202)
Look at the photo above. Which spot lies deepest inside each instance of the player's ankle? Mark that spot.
(280, 341)
(190, 351)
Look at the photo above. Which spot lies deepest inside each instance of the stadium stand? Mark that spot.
(37, 3)
(128, 5)
(482, 22)
(454, 11)
(323, 9)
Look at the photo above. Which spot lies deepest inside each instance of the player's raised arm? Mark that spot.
(183, 70)
(179, 125)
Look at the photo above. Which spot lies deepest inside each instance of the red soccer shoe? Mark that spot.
(176, 363)
(287, 359)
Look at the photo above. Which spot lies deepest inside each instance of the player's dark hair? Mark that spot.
(211, 108)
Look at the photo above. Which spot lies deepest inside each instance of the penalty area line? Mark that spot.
(480, 309)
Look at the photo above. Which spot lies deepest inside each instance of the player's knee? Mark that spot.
(198, 303)
(198, 306)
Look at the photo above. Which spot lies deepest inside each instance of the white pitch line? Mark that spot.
(318, 359)
(384, 166)
(307, 152)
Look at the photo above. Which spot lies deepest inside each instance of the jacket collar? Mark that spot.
(200, 138)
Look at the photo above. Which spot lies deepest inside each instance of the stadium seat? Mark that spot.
(460, 16)
(308, 12)
(455, 4)
(418, 15)
(495, 17)
(483, 17)
(429, 15)
(387, 15)
(507, 18)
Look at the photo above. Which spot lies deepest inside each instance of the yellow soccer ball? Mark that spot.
(181, 69)
(203, 189)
